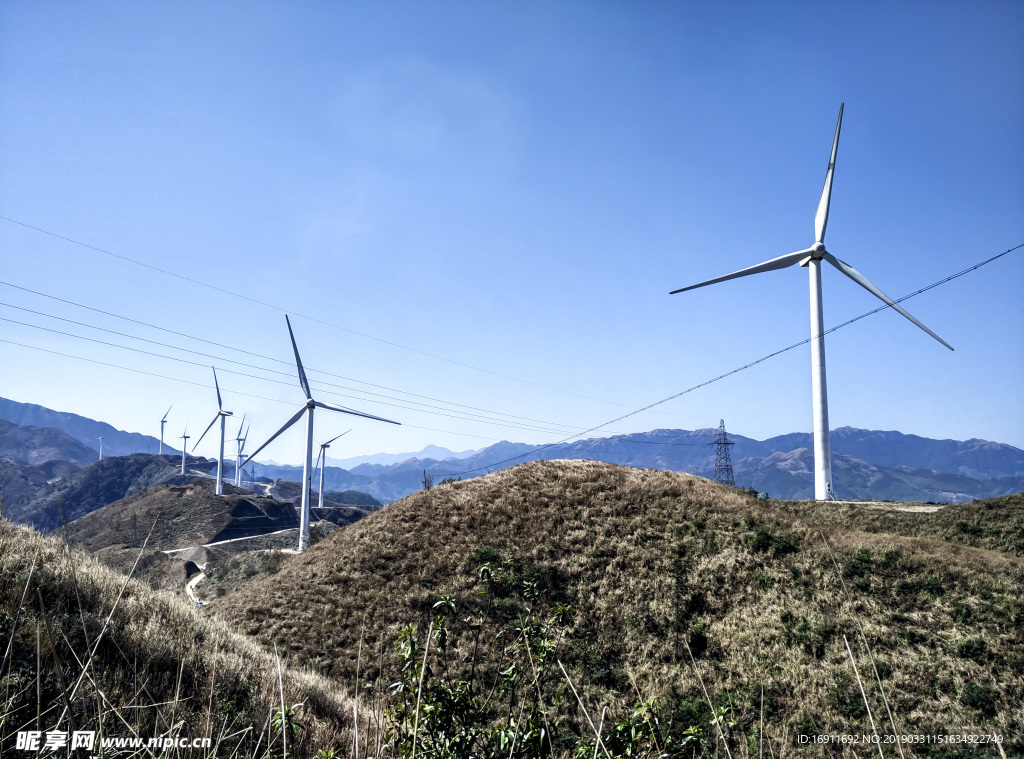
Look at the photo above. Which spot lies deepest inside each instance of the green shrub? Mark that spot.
(980, 698)
(972, 648)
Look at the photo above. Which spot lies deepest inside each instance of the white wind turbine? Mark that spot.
(100, 438)
(162, 423)
(184, 446)
(323, 455)
(307, 465)
(812, 258)
(240, 442)
(222, 415)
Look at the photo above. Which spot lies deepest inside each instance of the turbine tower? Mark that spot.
(812, 258)
(184, 447)
(240, 442)
(307, 410)
(323, 455)
(222, 415)
(162, 423)
(100, 438)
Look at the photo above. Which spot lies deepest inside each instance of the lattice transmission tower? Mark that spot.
(723, 461)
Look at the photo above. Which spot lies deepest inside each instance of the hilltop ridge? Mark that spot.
(652, 564)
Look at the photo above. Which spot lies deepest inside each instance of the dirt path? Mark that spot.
(231, 540)
(920, 508)
(190, 588)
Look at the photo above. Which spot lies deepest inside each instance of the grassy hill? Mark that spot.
(181, 515)
(622, 575)
(134, 662)
(996, 524)
(94, 486)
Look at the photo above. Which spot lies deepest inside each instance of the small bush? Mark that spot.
(972, 648)
(980, 698)
(912, 637)
(765, 542)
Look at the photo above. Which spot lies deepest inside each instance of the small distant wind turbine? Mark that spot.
(323, 455)
(307, 465)
(162, 423)
(812, 258)
(222, 415)
(240, 442)
(100, 438)
(184, 447)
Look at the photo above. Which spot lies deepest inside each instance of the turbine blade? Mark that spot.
(332, 407)
(289, 423)
(244, 438)
(204, 433)
(242, 424)
(336, 437)
(165, 415)
(298, 361)
(821, 217)
(861, 280)
(216, 385)
(776, 263)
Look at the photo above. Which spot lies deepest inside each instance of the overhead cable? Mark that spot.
(234, 294)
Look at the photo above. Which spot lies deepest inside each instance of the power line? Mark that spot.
(576, 435)
(240, 350)
(299, 314)
(805, 341)
(464, 415)
(203, 385)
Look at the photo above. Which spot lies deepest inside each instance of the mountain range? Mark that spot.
(87, 431)
(868, 464)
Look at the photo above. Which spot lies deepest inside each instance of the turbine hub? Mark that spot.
(818, 251)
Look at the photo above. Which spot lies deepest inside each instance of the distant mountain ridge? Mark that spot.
(37, 445)
(435, 452)
(115, 442)
(869, 464)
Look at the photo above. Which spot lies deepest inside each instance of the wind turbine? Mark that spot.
(162, 423)
(812, 258)
(307, 409)
(222, 415)
(323, 455)
(240, 442)
(184, 447)
(100, 438)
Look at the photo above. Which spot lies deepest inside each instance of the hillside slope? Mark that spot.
(159, 667)
(96, 485)
(181, 515)
(643, 567)
(37, 445)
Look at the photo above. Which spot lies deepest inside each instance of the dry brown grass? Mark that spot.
(655, 561)
(160, 666)
(996, 524)
(184, 515)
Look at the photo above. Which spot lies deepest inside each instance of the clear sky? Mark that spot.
(486, 204)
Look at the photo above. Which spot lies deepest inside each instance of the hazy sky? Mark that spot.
(486, 204)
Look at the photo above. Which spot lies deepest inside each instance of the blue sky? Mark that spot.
(513, 189)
